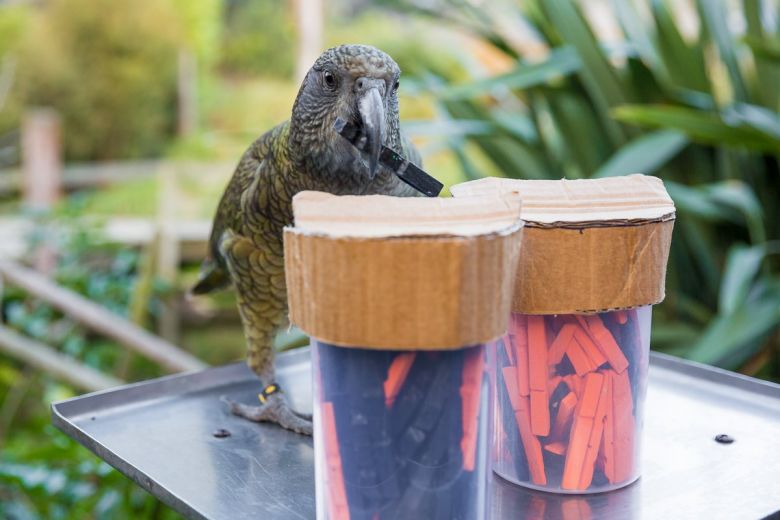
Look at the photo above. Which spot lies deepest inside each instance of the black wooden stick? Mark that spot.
(408, 172)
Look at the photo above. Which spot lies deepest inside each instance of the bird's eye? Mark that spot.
(329, 78)
(396, 85)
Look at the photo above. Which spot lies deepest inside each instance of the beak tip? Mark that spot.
(373, 166)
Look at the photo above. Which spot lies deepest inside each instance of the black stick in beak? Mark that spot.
(406, 171)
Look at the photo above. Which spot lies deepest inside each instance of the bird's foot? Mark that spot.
(273, 408)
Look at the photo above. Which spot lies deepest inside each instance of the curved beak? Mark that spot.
(372, 113)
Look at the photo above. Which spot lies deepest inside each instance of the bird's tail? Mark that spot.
(212, 277)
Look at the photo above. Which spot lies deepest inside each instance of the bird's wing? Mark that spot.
(213, 272)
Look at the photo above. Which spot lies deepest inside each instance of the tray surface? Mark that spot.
(160, 434)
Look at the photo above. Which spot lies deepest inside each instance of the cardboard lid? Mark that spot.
(401, 273)
(590, 245)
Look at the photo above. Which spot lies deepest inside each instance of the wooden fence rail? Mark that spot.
(54, 363)
(99, 319)
(78, 176)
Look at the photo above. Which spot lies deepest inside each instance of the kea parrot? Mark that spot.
(358, 84)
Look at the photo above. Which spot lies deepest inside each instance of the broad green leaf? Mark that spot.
(767, 49)
(673, 333)
(742, 266)
(561, 62)
(760, 118)
(598, 75)
(697, 202)
(732, 201)
(703, 127)
(637, 31)
(449, 127)
(516, 124)
(684, 63)
(739, 196)
(752, 10)
(509, 154)
(576, 123)
(699, 242)
(714, 14)
(731, 339)
(644, 154)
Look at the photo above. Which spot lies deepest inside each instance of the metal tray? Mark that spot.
(160, 434)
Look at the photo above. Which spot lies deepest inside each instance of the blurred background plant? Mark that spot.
(683, 90)
(158, 98)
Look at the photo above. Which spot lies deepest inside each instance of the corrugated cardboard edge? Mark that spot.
(585, 266)
(592, 269)
(402, 293)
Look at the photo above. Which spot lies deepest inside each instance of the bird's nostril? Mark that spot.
(360, 83)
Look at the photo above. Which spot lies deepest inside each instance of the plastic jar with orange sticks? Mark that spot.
(570, 375)
(401, 297)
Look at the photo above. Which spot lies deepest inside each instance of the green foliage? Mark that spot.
(13, 21)
(699, 110)
(258, 38)
(48, 476)
(108, 67)
(201, 31)
(44, 475)
(415, 44)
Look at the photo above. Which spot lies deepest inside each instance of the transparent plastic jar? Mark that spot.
(400, 434)
(569, 399)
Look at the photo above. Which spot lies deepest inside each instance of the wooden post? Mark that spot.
(41, 159)
(187, 84)
(168, 253)
(309, 24)
(42, 172)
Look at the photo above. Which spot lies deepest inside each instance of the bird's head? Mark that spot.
(357, 83)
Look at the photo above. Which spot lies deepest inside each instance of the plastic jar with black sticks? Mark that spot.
(400, 297)
(571, 373)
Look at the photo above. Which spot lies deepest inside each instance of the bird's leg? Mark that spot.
(262, 306)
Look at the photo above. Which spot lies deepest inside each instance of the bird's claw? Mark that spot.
(274, 409)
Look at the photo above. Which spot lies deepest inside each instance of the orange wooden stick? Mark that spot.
(396, 375)
(564, 416)
(537, 353)
(337, 503)
(574, 382)
(607, 440)
(556, 447)
(537, 367)
(559, 344)
(470, 393)
(553, 383)
(510, 381)
(595, 436)
(589, 347)
(521, 370)
(519, 336)
(609, 347)
(540, 413)
(531, 445)
(581, 431)
(624, 426)
(579, 360)
(517, 324)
